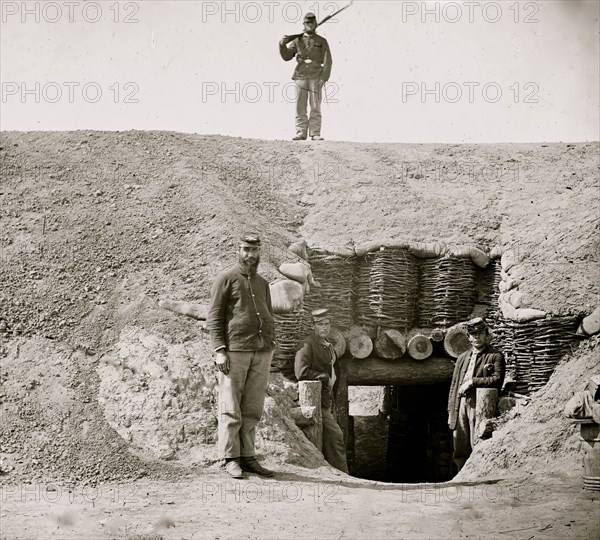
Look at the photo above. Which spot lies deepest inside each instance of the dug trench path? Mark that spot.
(296, 505)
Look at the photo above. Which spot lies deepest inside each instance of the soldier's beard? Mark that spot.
(250, 265)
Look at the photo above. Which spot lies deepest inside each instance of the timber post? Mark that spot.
(309, 395)
(485, 409)
(342, 405)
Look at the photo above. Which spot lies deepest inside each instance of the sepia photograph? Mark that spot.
(304, 269)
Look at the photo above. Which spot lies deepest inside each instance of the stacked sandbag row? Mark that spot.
(336, 275)
(388, 289)
(533, 349)
(512, 302)
(447, 291)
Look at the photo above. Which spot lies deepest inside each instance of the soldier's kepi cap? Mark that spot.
(250, 240)
(310, 17)
(475, 325)
(320, 315)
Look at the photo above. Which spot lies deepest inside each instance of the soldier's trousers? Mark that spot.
(241, 401)
(334, 448)
(463, 436)
(308, 91)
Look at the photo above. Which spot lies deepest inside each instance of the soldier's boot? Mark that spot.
(249, 464)
(299, 137)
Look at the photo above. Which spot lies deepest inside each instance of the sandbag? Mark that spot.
(300, 249)
(590, 325)
(582, 405)
(426, 250)
(508, 310)
(479, 258)
(367, 247)
(508, 260)
(331, 249)
(462, 252)
(496, 252)
(298, 272)
(528, 314)
(396, 244)
(516, 298)
(286, 295)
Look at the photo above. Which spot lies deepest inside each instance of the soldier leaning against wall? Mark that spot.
(480, 367)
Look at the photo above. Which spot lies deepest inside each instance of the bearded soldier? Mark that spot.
(240, 322)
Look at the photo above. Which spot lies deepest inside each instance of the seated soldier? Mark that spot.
(316, 361)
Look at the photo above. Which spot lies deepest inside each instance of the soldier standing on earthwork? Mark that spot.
(240, 322)
(312, 72)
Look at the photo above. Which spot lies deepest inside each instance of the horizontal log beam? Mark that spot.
(405, 372)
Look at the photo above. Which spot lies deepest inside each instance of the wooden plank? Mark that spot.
(309, 395)
(374, 371)
(485, 409)
(342, 406)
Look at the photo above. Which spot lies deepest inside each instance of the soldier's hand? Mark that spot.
(324, 378)
(285, 40)
(222, 361)
(465, 387)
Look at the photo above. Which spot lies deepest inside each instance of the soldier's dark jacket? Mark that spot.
(314, 359)
(240, 316)
(313, 48)
(489, 372)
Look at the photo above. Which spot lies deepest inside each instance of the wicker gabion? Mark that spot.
(388, 289)
(336, 275)
(491, 277)
(288, 334)
(533, 349)
(312, 300)
(447, 291)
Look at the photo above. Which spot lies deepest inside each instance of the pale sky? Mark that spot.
(402, 71)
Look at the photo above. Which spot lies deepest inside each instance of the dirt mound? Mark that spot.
(52, 426)
(538, 437)
(97, 227)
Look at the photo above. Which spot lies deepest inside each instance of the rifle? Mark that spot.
(296, 36)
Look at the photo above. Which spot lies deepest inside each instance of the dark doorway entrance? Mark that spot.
(411, 443)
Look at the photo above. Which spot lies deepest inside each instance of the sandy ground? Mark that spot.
(295, 504)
